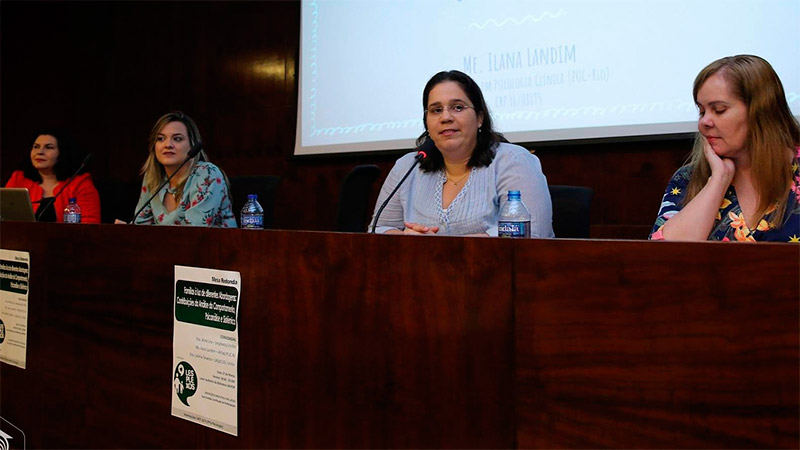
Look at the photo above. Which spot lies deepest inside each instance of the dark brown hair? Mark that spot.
(488, 138)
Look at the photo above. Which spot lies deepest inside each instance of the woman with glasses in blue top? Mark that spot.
(463, 184)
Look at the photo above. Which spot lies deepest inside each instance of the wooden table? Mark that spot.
(363, 341)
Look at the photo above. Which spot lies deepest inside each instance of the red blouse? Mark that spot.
(81, 188)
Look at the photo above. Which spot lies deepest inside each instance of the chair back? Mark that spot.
(354, 198)
(262, 185)
(118, 199)
(571, 207)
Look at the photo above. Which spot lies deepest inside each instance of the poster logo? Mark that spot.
(185, 381)
(4, 440)
(11, 437)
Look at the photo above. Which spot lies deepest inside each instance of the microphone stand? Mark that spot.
(419, 157)
(192, 153)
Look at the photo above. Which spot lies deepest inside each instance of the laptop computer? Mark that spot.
(15, 204)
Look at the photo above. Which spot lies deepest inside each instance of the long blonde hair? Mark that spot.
(152, 170)
(772, 131)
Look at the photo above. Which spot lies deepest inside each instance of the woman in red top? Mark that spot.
(45, 175)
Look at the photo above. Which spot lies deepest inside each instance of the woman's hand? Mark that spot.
(723, 168)
(695, 221)
(415, 228)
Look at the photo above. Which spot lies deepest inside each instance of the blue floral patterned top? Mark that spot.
(205, 202)
(730, 224)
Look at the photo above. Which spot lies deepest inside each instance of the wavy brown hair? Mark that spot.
(488, 137)
(772, 131)
(67, 162)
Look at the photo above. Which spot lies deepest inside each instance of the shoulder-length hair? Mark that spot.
(488, 138)
(66, 163)
(152, 170)
(772, 131)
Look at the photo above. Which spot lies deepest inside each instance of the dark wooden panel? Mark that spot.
(354, 341)
(657, 345)
(347, 340)
(107, 70)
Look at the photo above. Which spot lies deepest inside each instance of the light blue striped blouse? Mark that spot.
(477, 205)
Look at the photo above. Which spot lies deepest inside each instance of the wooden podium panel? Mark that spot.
(363, 341)
(346, 341)
(657, 345)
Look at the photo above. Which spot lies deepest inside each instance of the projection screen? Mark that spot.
(549, 70)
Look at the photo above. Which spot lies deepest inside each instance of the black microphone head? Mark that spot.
(195, 150)
(427, 146)
(85, 161)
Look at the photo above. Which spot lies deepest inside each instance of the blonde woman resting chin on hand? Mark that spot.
(742, 181)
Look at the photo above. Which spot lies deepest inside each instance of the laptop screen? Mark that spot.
(15, 204)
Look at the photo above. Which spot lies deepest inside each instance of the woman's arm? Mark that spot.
(146, 216)
(391, 219)
(520, 170)
(17, 180)
(88, 199)
(694, 221)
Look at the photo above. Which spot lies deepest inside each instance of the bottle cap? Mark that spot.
(252, 196)
(513, 195)
(73, 200)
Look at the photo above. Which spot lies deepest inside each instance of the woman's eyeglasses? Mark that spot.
(453, 109)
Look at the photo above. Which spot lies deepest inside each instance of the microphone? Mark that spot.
(422, 153)
(69, 180)
(197, 148)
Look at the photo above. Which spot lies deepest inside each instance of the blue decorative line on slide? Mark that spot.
(597, 110)
(516, 21)
(521, 114)
(667, 105)
(312, 103)
(369, 126)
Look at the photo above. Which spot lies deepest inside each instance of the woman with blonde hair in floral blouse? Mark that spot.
(198, 194)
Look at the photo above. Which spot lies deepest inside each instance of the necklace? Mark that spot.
(459, 180)
(173, 192)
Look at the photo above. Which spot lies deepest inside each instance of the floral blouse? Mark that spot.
(729, 224)
(205, 202)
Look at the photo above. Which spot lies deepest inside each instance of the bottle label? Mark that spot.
(514, 229)
(252, 221)
(72, 218)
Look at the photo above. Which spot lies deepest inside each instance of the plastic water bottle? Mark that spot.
(72, 213)
(252, 217)
(514, 220)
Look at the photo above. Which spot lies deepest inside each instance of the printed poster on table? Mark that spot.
(14, 275)
(205, 348)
